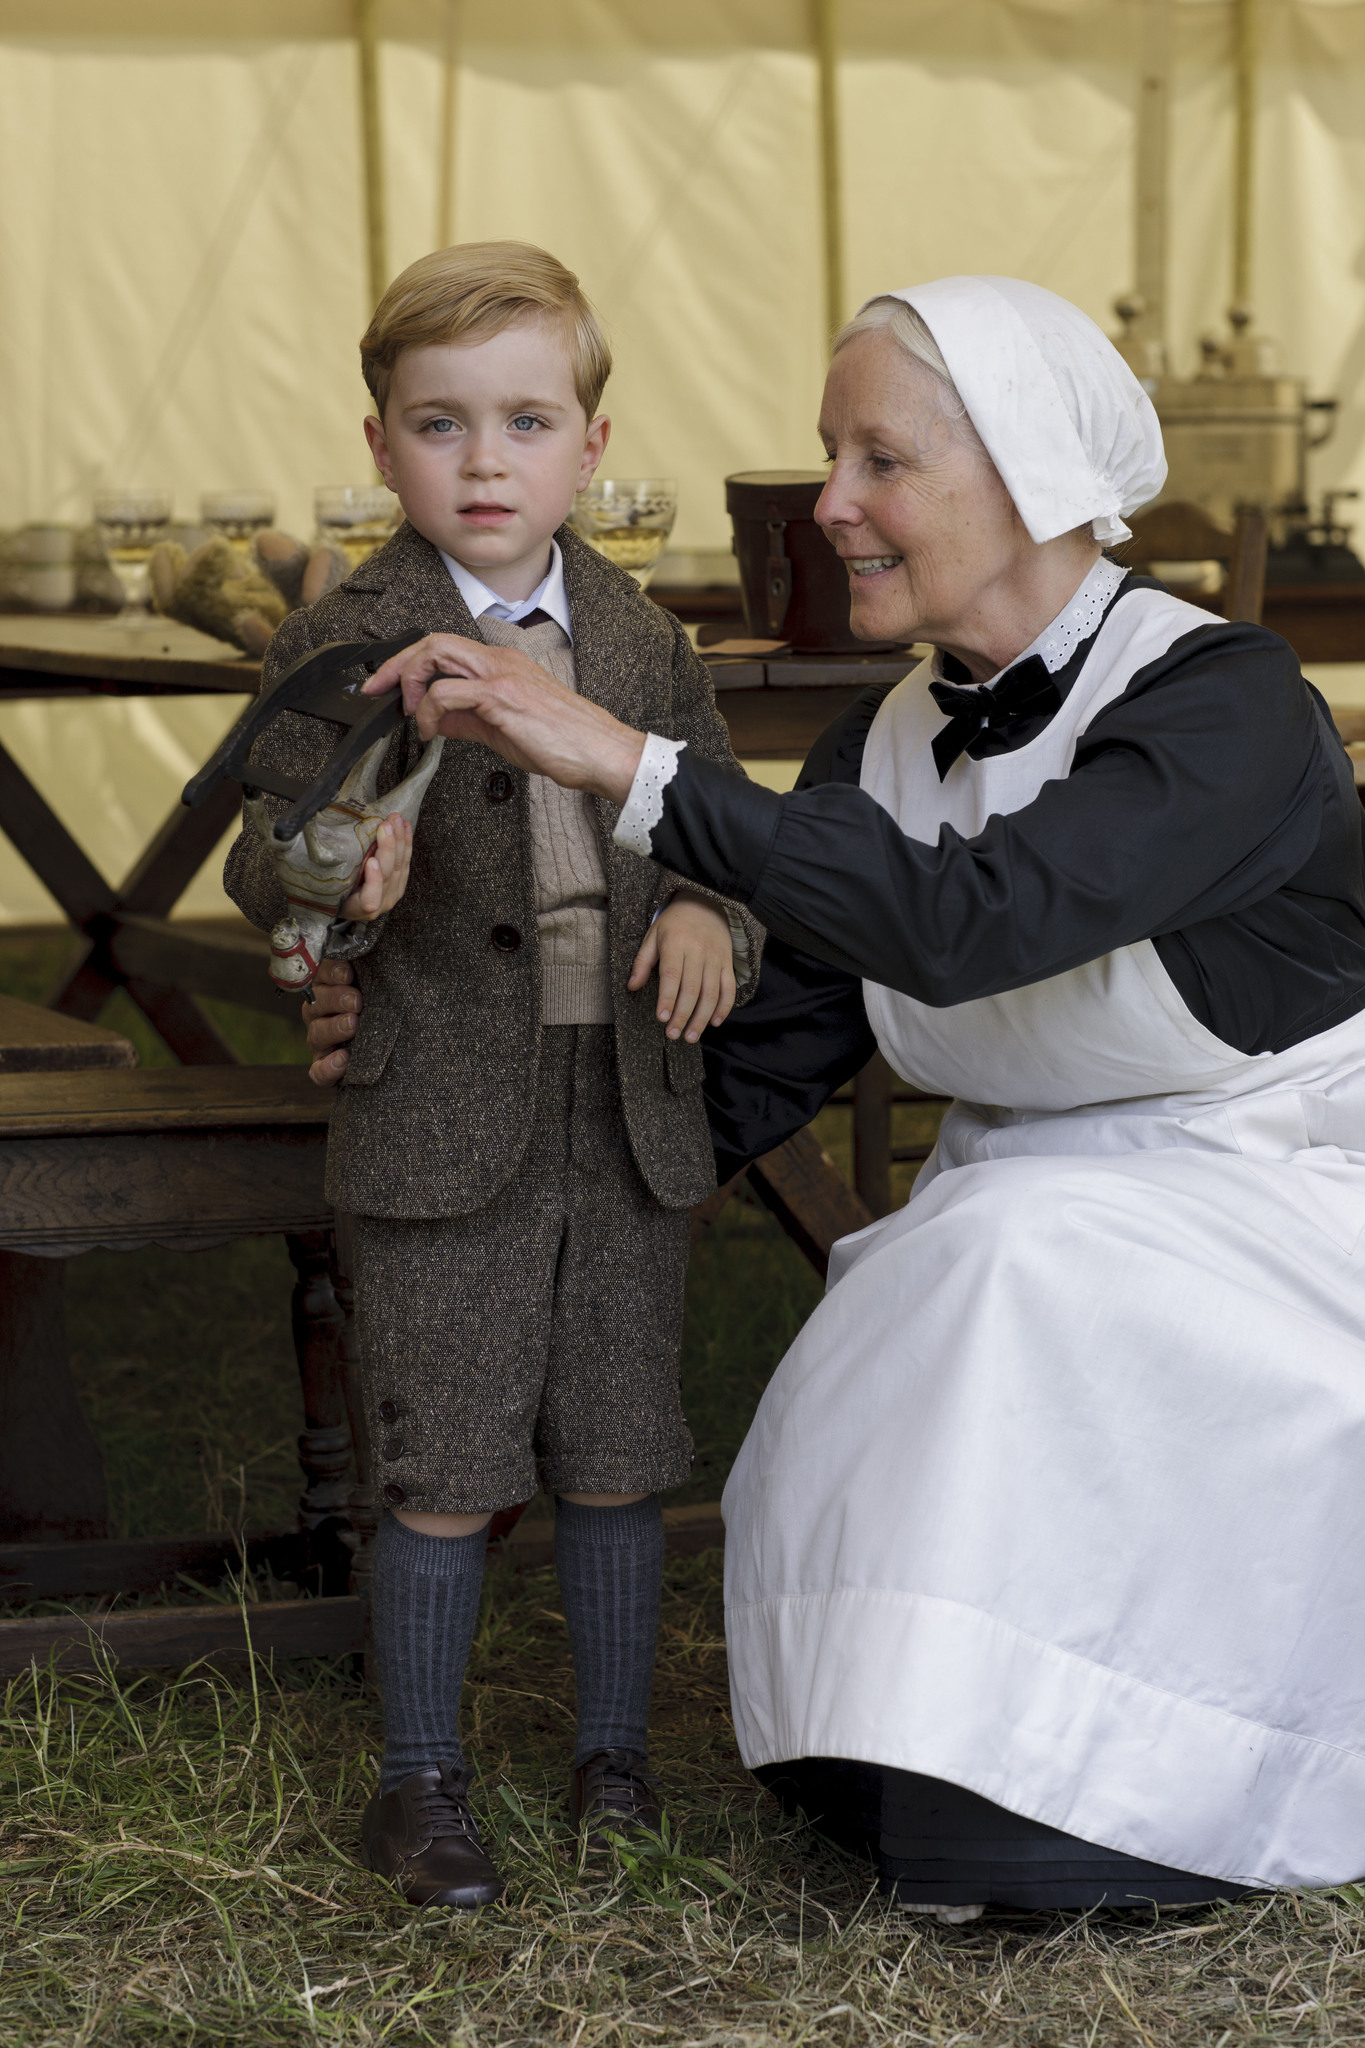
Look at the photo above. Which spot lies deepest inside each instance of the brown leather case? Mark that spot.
(794, 586)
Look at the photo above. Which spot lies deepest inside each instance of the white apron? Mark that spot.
(1060, 1494)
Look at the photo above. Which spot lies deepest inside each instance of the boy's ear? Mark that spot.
(379, 448)
(594, 448)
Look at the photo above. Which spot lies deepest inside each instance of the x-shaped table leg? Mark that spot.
(157, 882)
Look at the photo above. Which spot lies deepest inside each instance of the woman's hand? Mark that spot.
(330, 1021)
(689, 943)
(501, 698)
(384, 876)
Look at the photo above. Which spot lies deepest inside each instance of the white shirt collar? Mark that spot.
(550, 597)
(1076, 621)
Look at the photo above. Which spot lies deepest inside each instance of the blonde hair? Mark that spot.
(476, 290)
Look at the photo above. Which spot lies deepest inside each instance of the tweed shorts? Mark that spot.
(534, 1341)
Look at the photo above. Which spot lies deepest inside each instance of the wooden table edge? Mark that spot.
(238, 674)
(148, 1100)
(150, 1122)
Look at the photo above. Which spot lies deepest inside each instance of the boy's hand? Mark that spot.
(384, 876)
(330, 1021)
(689, 943)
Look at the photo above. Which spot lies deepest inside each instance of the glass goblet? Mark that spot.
(355, 518)
(628, 519)
(237, 515)
(130, 524)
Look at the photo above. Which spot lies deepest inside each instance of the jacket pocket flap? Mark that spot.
(683, 1065)
(370, 1048)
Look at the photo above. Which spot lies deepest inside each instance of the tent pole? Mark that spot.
(1143, 310)
(825, 35)
(450, 101)
(1153, 156)
(1243, 191)
(372, 145)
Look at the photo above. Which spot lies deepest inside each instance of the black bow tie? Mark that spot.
(1022, 695)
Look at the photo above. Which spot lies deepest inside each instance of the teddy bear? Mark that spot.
(241, 598)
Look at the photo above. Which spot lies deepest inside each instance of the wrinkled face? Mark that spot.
(914, 506)
(485, 446)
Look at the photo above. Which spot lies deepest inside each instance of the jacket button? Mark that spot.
(395, 1495)
(388, 1411)
(505, 937)
(392, 1447)
(499, 786)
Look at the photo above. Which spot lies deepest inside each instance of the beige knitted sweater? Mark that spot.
(567, 864)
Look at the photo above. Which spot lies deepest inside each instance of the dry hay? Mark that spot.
(178, 1864)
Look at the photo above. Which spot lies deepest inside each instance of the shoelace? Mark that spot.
(445, 1808)
(617, 1785)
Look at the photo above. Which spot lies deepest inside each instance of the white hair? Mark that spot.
(911, 334)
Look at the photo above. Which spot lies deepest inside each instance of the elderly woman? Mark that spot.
(1044, 1549)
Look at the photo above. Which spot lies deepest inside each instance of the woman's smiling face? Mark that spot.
(914, 505)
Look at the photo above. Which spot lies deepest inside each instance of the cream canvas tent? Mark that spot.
(185, 261)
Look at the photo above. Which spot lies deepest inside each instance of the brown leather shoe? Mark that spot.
(613, 1796)
(424, 1837)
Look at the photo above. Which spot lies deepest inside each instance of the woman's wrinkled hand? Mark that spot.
(500, 698)
(689, 943)
(384, 876)
(330, 1021)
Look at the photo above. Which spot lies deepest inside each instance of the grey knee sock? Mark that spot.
(426, 1606)
(610, 1564)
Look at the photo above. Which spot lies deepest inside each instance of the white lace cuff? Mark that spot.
(644, 807)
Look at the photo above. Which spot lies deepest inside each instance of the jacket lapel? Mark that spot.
(611, 651)
(409, 585)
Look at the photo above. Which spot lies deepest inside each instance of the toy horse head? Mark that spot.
(320, 866)
(320, 844)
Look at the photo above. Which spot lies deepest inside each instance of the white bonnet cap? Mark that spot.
(1067, 424)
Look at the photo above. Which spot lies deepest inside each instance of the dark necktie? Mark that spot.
(1021, 696)
(535, 618)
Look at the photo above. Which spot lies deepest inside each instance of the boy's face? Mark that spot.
(485, 445)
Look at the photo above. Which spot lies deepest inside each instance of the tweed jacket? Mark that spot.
(434, 1111)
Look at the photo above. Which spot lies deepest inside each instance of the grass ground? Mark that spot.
(177, 1858)
(177, 1865)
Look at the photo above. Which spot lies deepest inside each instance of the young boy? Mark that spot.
(519, 1130)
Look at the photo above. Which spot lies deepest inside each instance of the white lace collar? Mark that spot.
(1076, 621)
(1059, 641)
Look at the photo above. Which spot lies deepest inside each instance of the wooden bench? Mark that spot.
(185, 1157)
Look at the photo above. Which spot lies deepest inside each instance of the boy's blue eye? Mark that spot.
(524, 421)
(441, 426)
